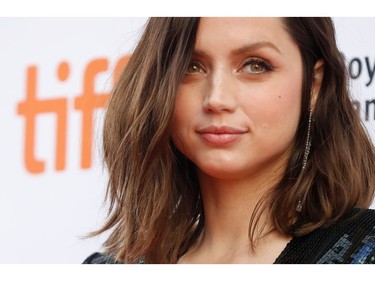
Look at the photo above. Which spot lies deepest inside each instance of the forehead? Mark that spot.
(226, 32)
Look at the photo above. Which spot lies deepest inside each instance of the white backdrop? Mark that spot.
(51, 69)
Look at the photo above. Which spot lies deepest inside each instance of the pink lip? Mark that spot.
(221, 135)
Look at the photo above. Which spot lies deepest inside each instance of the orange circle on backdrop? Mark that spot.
(63, 71)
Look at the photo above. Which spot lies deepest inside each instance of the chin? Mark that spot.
(223, 172)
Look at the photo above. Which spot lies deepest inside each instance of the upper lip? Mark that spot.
(221, 130)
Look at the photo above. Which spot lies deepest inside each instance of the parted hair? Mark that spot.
(155, 209)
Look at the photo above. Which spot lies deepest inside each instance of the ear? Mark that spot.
(318, 78)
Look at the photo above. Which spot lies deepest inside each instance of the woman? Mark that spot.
(235, 141)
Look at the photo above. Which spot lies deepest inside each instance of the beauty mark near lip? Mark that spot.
(221, 135)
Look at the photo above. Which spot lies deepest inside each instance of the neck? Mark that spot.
(228, 207)
(229, 204)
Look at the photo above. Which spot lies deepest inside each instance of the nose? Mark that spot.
(221, 93)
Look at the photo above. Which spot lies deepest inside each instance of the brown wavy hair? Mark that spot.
(155, 208)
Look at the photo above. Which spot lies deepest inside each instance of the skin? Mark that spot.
(246, 74)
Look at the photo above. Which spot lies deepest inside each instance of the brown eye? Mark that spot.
(195, 67)
(256, 66)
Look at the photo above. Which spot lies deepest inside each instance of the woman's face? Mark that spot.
(238, 106)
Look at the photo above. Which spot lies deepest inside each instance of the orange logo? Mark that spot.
(86, 103)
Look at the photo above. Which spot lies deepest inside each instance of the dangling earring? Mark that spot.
(308, 142)
(299, 204)
(305, 156)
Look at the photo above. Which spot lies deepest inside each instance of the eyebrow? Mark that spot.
(247, 48)
(255, 46)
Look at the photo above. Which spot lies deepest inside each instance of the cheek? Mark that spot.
(176, 133)
(288, 94)
(277, 112)
(287, 108)
(183, 118)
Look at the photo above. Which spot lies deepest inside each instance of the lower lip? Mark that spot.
(220, 139)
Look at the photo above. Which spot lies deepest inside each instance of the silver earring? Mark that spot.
(305, 156)
(308, 142)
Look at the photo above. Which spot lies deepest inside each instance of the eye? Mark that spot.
(256, 66)
(195, 67)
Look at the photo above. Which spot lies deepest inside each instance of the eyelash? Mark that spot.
(258, 61)
(197, 64)
(254, 60)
